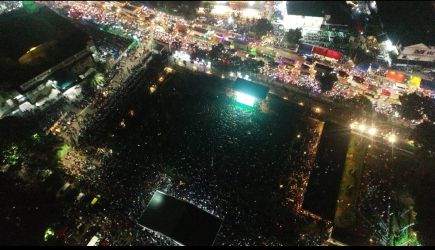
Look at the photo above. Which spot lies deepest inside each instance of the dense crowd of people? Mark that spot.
(187, 159)
(375, 194)
(255, 190)
(7, 6)
(114, 20)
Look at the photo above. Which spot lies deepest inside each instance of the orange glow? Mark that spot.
(395, 76)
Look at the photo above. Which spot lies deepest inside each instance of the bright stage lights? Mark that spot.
(245, 99)
(362, 128)
(392, 138)
(372, 131)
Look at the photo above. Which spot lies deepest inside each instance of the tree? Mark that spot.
(293, 36)
(412, 106)
(198, 53)
(14, 129)
(30, 181)
(87, 89)
(216, 52)
(326, 81)
(97, 79)
(424, 135)
(429, 108)
(361, 103)
(236, 62)
(262, 27)
(187, 9)
(24, 146)
(89, 86)
(207, 7)
(361, 55)
(424, 186)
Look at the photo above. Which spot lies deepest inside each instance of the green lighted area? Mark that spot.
(350, 183)
(12, 155)
(62, 151)
(48, 234)
(30, 6)
(407, 239)
(36, 137)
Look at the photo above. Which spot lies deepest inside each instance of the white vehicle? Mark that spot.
(80, 196)
(94, 241)
(219, 23)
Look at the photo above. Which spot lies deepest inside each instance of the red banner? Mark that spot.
(333, 54)
(327, 52)
(320, 51)
(386, 92)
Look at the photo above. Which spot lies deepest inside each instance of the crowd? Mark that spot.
(150, 153)
(7, 6)
(96, 13)
(375, 194)
(253, 190)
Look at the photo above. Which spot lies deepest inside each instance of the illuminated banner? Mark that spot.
(327, 52)
(395, 76)
(320, 51)
(415, 80)
(305, 49)
(385, 92)
(333, 54)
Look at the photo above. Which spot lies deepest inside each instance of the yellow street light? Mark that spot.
(168, 70)
(362, 127)
(122, 123)
(353, 125)
(153, 88)
(392, 138)
(372, 131)
(317, 110)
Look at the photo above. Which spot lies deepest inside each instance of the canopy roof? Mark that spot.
(180, 220)
(250, 88)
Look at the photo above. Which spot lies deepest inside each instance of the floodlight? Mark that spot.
(372, 131)
(392, 138)
(245, 99)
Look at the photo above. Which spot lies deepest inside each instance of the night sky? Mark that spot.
(410, 22)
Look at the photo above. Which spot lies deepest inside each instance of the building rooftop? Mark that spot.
(33, 43)
(250, 88)
(180, 220)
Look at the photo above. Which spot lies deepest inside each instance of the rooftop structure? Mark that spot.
(33, 43)
(180, 220)
(248, 92)
(294, 18)
(417, 53)
(253, 89)
(247, 9)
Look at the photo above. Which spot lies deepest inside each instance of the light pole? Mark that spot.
(392, 139)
